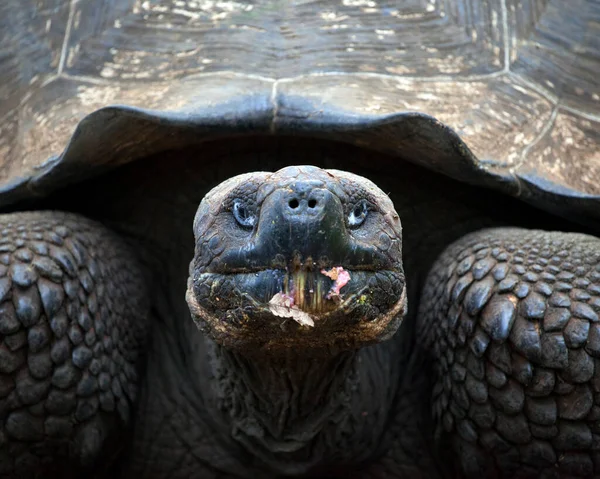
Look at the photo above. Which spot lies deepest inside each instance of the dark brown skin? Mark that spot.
(304, 401)
(295, 226)
(73, 324)
(518, 309)
(262, 235)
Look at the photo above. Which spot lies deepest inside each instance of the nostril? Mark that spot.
(294, 204)
(312, 203)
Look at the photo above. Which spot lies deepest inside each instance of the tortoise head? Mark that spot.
(302, 257)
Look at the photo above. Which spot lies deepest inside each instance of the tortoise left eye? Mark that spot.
(358, 214)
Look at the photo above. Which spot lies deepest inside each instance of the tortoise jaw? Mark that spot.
(275, 309)
(306, 293)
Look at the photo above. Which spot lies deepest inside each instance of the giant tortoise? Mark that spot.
(168, 312)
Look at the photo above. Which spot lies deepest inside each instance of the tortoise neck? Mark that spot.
(299, 413)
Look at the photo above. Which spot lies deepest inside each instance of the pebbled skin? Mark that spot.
(511, 319)
(175, 433)
(73, 312)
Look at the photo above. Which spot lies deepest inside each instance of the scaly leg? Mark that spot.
(510, 318)
(73, 313)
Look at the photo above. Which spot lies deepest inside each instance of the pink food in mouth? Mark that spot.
(282, 305)
(340, 279)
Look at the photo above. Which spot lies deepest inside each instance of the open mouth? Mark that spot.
(303, 293)
(329, 301)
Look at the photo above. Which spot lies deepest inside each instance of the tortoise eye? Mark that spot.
(358, 214)
(242, 214)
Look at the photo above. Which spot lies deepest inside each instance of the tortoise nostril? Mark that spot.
(312, 203)
(293, 203)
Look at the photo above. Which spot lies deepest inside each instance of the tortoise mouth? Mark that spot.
(279, 307)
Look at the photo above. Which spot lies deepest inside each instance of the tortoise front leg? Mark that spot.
(510, 318)
(73, 312)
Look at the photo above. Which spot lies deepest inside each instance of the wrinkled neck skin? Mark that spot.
(296, 414)
(300, 412)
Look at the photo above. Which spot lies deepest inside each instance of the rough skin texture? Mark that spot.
(237, 270)
(500, 380)
(511, 319)
(73, 315)
(294, 399)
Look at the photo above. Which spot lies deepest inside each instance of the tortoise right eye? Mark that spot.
(242, 214)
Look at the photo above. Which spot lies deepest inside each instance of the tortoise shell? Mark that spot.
(499, 93)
